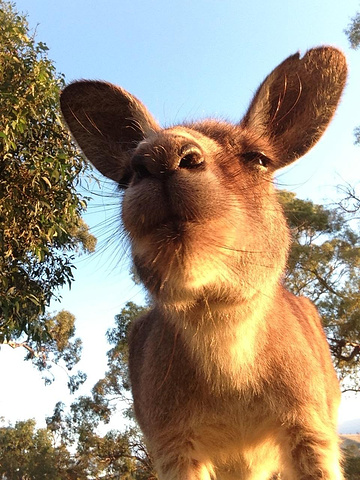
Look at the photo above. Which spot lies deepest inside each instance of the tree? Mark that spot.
(28, 453)
(116, 383)
(41, 228)
(60, 349)
(353, 33)
(324, 265)
(117, 454)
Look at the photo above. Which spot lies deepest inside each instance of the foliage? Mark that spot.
(36, 454)
(353, 34)
(40, 209)
(116, 382)
(324, 265)
(28, 453)
(60, 350)
(353, 31)
(116, 454)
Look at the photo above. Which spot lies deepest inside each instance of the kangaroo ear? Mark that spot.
(296, 102)
(107, 124)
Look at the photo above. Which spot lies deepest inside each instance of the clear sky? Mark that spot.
(185, 60)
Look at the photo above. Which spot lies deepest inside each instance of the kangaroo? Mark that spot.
(231, 374)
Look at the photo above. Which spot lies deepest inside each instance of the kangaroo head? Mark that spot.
(199, 204)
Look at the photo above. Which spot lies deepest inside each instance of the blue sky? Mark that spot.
(184, 60)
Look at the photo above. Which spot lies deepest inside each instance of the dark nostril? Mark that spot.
(146, 165)
(141, 171)
(139, 167)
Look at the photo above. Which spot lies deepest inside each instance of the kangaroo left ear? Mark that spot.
(107, 123)
(295, 103)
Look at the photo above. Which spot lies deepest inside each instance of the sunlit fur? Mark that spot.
(231, 374)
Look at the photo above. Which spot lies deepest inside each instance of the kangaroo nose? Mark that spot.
(146, 165)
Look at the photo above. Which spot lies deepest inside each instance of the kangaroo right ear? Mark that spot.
(107, 123)
(295, 103)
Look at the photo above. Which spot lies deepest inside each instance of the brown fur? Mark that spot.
(231, 374)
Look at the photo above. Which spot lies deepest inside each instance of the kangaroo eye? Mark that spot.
(256, 158)
(190, 157)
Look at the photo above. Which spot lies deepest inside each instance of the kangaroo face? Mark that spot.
(190, 228)
(199, 205)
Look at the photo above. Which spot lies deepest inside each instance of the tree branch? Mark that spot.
(25, 345)
(339, 345)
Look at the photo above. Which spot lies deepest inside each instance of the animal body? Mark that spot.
(231, 374)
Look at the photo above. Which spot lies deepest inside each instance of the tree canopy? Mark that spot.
(41, 228)
(40, 207)
(324, 265)
(353, 33)
(27, 452)
(117, 454)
